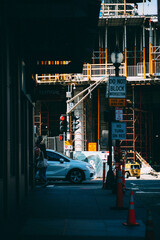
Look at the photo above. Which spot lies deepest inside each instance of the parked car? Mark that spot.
(61, 167)
(132, 170)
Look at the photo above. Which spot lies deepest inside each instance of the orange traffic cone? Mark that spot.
(149, 227)
(131, 221)
(123, 173)
(119, 203)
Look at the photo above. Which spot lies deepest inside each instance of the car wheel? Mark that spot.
(75, 176)
(126, 174)
(138, 177)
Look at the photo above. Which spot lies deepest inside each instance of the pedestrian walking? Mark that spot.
(135, 10)
(41, 159)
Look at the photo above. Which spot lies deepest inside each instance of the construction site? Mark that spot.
(92, 65)
(138, 39)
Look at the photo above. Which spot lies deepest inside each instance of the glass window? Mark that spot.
(53, 156)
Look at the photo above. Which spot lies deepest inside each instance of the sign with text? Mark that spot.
(117, 87)
(117, 102)
(68, 145)
(92, 146)
(118, 131)
(118, 114)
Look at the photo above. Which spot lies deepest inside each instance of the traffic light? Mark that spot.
(105, 136)
(109, 115)
(75, 122)
(63, 123)
(61, 137)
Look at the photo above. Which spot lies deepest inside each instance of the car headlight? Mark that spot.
(90, 167)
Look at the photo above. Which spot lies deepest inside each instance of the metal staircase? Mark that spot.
(137, 128)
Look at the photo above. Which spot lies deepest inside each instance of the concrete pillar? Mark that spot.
(150, 48)
(125, 48)
(79, 134)
(144, 56)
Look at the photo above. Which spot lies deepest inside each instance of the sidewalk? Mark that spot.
(75, 212)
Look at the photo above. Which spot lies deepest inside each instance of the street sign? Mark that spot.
(118, 114)
(92, 146)
(117, 87)
(118, 130)
(117, 102)
(68, 145)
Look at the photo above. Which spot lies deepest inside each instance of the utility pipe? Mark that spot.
(144, 57)
(125, 48)
(98, 121)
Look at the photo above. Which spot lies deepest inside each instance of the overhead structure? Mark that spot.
(137, 37)
(56, 30)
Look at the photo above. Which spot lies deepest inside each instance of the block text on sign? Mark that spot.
(118, 130)
(117, 87)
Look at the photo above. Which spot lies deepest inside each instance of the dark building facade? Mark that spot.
(32, 31)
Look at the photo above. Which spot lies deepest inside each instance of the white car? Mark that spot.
(61, 167)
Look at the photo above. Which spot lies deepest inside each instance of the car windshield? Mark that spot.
(63, 156)
(55, 156)
(134, 166)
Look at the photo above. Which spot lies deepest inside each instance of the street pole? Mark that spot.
(64, 143)
(110, 174)
(117, 69)
(116, 58)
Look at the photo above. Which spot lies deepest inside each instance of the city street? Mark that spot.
(62, 210)
(147, 196)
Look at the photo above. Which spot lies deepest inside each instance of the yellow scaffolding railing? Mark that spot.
(90, 72)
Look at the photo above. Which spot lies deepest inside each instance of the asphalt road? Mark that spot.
(147, 196)
(86, 211)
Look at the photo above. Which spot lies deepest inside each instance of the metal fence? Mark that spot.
(54, 143)
(115, 9)
(138, 70)
(101, 70)
(96, 71)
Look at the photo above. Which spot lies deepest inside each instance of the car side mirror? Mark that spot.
(61, 160)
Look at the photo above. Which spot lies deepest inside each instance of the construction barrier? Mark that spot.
(149, 234)
(123, 173)
(119, 203)
(104, 174)
(131, 221)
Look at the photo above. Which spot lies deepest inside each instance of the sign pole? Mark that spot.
(64, 143)
(115, 89)
(110, 174)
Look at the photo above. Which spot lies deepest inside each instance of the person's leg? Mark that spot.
(41, 174)
(44, 174)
